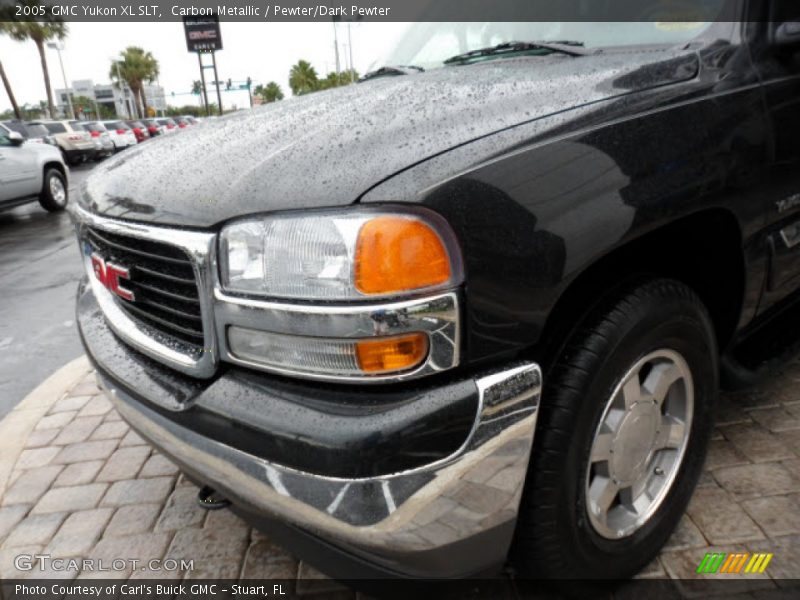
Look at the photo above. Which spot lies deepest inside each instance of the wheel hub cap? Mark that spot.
(57, 190)
(633, 443)
(639, 444)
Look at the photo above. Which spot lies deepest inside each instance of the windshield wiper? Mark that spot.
(562, 47)
(392, 71)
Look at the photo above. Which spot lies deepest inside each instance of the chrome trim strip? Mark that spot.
(201, 249)
(406, 512)
(438, 316)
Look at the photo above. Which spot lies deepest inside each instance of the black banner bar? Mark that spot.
(377, 10)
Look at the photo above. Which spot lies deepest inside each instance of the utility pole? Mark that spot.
(58, 49)
(350, 49)
(336, 47)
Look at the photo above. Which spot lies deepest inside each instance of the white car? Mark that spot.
(31, 171)
(121, 135)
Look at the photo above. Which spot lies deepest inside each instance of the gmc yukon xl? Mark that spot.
(471, 311)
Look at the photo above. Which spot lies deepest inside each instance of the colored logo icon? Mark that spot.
(734, 563)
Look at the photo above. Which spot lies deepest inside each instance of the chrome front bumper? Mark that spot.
(412, 523)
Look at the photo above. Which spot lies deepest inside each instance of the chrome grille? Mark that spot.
(162, 279)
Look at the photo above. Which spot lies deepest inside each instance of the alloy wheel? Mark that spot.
(57, 191)
(639, 444)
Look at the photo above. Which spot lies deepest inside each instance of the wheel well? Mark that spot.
(54, 165)
(703, 250)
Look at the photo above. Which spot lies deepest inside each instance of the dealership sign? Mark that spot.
(202, 34)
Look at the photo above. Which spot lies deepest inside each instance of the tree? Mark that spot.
(271, 92)
(331, 81)
(188, 109)
(338, 79)
(9, 91)
(85, 106)
(303, 78)
(136, 67)
(39, 32)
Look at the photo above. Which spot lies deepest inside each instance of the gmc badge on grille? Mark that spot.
(109, 275)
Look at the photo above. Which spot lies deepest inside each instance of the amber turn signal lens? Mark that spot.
(396, 254)
(392, 354)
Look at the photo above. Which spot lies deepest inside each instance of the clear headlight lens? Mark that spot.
(336, 256)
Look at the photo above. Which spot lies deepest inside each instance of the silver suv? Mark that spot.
(29, 171)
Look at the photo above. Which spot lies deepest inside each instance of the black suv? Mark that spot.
(472, 309)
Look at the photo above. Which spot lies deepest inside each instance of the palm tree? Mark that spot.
(271, 92)
(136, 67)
(303, 78)
(331, 81)
(9, 91)
(348, 77)
(39, 32)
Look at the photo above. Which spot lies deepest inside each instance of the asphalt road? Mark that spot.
(39, 270)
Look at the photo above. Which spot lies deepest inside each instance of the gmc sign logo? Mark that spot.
(109, 275)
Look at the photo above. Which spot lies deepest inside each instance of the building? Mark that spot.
(120, 101)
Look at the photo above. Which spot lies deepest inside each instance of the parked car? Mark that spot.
(33, 132)
(154, 128)
(75, 143)
(104, 144)
(139, 130)
(190, 119)
(121, 135)
(479, 311)
(18, 126)
(169, 125)
(31, 171)
(181, 122)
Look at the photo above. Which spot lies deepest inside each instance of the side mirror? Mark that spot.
(16, 138)
(787, 34)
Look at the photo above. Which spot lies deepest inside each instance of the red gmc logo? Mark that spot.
(109, 275)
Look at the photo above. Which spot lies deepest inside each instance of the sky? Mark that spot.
(263, 51)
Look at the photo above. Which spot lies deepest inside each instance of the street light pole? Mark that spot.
(57, 48)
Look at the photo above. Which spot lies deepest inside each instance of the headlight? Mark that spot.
(338, 256)
(351, 295)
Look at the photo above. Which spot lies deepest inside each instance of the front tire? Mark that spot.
(54, 195)
(639, 377)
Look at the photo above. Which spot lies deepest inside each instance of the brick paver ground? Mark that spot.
(87, 486)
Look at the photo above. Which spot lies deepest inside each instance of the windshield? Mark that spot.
(93, 127)
(55, 127)
(428, 45)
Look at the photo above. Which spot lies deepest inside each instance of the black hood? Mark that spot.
(329, 148)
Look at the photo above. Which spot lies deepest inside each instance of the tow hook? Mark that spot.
(209, 499)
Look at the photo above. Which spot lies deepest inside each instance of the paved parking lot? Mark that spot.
(80, 483)
(39, 270)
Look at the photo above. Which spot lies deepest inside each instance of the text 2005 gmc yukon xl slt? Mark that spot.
(471, 311)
